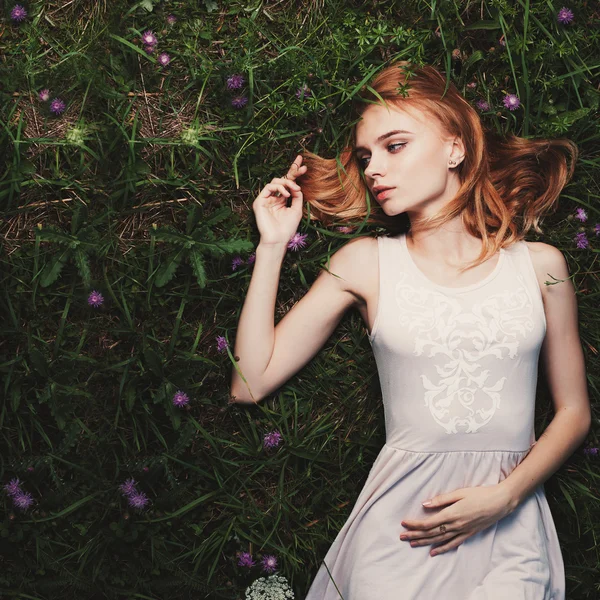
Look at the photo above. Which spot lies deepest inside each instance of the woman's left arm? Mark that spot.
(563, 360)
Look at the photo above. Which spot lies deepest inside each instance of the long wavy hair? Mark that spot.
(506, 184)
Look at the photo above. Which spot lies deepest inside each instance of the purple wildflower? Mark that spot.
(18, 13)
(297, 241)
(235, 82)
(590, 451)
(597, 228)
(239, 101)
(95, 298)
(251, 258)
(236, 262)
(138, 500)
(128, 487)
(180, 398)
(303, 92)
(581, 214)
(57, 106)
(269, 563)
(472, 85)
(245, 560)
(482, 105)
(44, 95)
(149, 38)
(23, 500)
(272, 439)
(164, 59)
(221, 343)
(13, 487)
(171, 19)
(582, 241)
(149, 49)
(564, 16)
(511, 101)
(345, 229)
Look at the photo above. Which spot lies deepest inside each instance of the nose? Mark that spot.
(375, 168)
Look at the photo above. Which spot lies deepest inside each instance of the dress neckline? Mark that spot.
(464, 288)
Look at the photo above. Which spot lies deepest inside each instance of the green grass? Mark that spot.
(142, 190)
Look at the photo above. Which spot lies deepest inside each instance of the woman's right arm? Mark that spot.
(269, 355)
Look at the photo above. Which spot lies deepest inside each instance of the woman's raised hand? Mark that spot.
(277, 222)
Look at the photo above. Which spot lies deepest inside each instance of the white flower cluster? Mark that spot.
(275, 587)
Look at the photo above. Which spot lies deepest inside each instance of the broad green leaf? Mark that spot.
(53, 268)
(198, 268)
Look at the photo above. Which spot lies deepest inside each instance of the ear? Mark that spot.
(458, 151)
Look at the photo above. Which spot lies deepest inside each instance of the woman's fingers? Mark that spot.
(283, 184)
(277, 189)
(296, 169)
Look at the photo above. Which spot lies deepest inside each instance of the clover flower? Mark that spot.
(57, 106)
(235, 82)
(269, 563)
(297, 241)
(511, 101)
(13, 487)
(164, 59)
(482, 105)
(180, 399)
(138, 500)
(149, 38)
(303, 92)
(245, 560)
(581, 214)
(128, 487)
(564, 16)
(23, 500)
(239, 101)
(582, 241)
(44, 95)
(171, 19)
(272, 439)
(18, 13)
(95, 299)
(236, 262)
(221, 343)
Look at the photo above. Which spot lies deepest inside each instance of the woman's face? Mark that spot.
(413, 161)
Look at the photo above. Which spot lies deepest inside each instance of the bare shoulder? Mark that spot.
(356, 263)
(549, 263)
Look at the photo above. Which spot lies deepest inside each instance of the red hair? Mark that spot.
(506, 184)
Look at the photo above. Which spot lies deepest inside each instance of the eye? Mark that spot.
(394, 148)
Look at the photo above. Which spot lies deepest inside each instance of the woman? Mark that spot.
(459, 315)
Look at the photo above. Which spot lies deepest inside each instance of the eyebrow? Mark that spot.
(385, 136)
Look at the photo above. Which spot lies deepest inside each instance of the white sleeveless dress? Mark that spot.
(458, 372)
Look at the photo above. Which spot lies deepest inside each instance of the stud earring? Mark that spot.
(451, 162)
